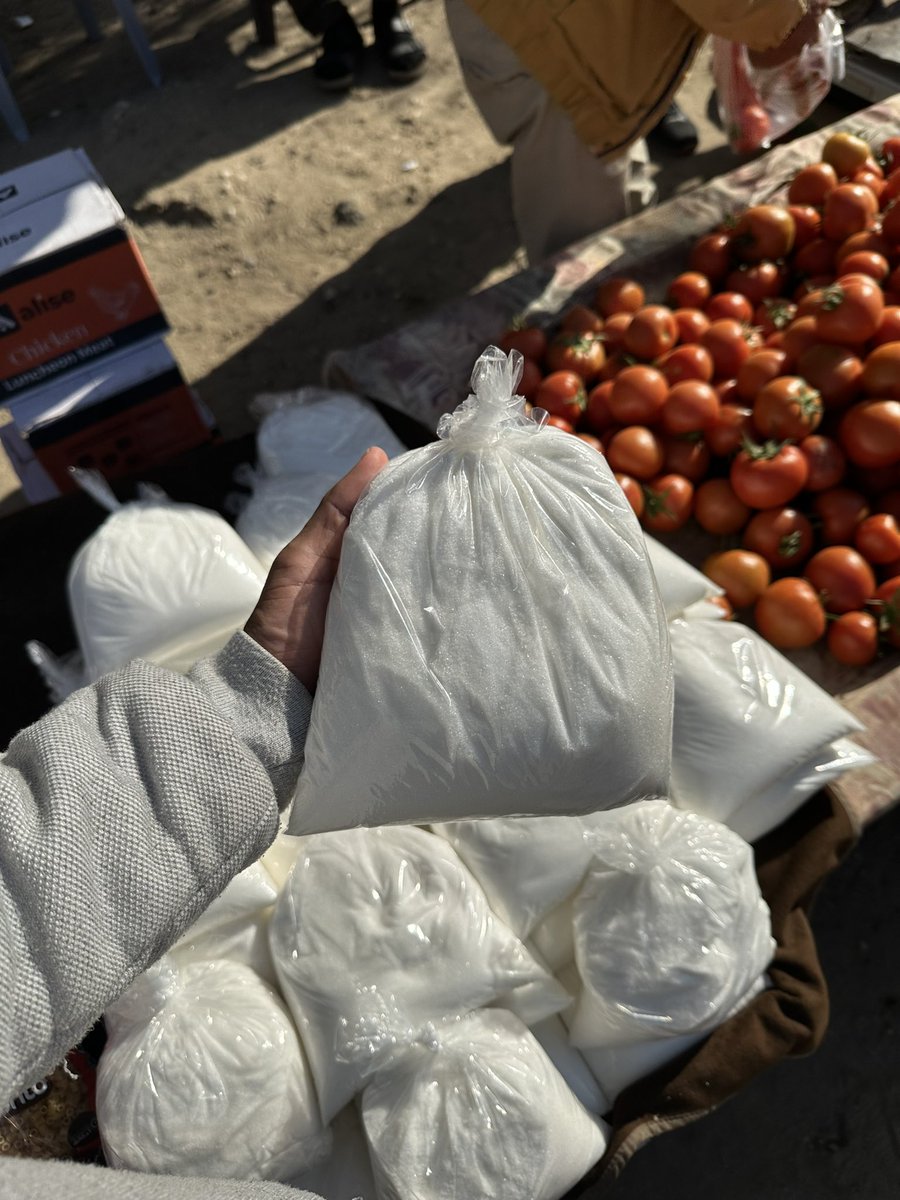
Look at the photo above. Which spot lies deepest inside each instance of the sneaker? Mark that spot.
(401, 52)
(341, 58)
(677, 131)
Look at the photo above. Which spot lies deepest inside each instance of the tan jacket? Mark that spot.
(614, 65)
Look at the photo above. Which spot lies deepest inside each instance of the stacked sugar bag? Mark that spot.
(475, 1111)
(203, 1074)
(389, 920)
(307, 440)
(159, 580)
(452, 678)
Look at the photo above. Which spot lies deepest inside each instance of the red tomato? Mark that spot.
(669, 500)
(789, 615)
(870, 179)
(634, 493)
(825, 460)
(652, 332)
(562, 394)
(848, 209)
(690, 290)
(869, 433)
(867, 262)
(799, 336)
(815, 258)
(618, 295)
(727, 433)
(783, 536)
(597, 414)
(614, 330)
(692, 324)
(768, 476)
(812, 184)
(877, 538)
(753, 126)
(726, 390)
(712, 256)
(834, 371)
(845, 152)
(759, 369)
(688, 456)
(527, 339)
(771, 316)
(718, 510)
(590, 440)
(807, 224)
(758, 282)
(881, 374)
(742, 575)
(531, 380)
(887, 599)
(763, 231)
(691, 407)
(842, 577)
(889, 329)
(560, 423)
(730, 304)
(581, 353)
(581, 319)
(686, 362)
(851, 310)
(638, 395)
(787, 407)
(637, 451)
(853, 639)
(869, 239)
(890, 149)
(839, 510)
(727, 345)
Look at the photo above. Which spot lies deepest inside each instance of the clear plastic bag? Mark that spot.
(495, 644)
(759, 104)
(746, 719)
(671, 931)
(476, 1113)
(390, 919)
(203, 1075)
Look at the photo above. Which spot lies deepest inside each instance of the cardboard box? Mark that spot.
(72, 283)
(123, 414)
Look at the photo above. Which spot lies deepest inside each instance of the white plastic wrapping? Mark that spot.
(571, 1063)
(479, 1113)
(495, 643)
(680, 585)
(235, 926)
(317, 431)
(278, 509)
(746, 718)
(163, 581)
(390, 920)
(671, 931)
(203, 1075)
(526, 865)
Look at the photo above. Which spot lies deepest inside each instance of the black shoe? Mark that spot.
(401, 52)
(341, 58)
(677, 131)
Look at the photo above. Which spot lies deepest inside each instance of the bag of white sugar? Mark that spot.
(495, 644)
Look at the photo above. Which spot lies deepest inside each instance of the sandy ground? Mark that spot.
(232, 173)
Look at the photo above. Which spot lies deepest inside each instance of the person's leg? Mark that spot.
(341, 56)
(560, 191)
(401, 51)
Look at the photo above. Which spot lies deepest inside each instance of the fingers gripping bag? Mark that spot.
(203, 1075)
(671, 931)
(477, 1111)
(390, 918)
(495, 644)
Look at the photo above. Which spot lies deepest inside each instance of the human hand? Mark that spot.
(289, 618)
(804, 33)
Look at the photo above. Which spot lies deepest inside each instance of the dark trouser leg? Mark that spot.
(318, 16)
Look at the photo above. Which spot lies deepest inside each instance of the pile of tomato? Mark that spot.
(761, 401)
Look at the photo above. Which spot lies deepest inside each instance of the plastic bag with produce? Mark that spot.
(495, 642)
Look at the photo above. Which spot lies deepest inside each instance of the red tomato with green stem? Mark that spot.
(851, 310)
(773, 316)
(668, 502)
(834, 371)
(764, 231)
(886, 606)
(783, 536)
(768, 475)
(789, 614)
(732, 426)
(787, 408)
(582, 353)
(562, 394)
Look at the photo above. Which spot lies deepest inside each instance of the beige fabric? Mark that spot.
(561, 192)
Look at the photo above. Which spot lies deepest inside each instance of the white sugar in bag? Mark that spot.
(235, 926)
(745, 717)
(317, 431)
(571, 1064)
(671, 931)
(495, 643)
(763, 812)
(391, 917)
(203, 1075)
(163, 581)
(526, 865)
(554, 937)
(680, 585)
(278, 509)
(477, 1112)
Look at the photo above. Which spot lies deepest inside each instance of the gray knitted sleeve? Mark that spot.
(123, 813)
